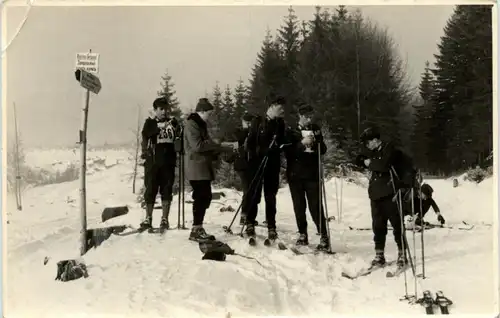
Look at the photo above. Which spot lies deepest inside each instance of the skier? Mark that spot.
(303, 175)
(380, 160)
(265, 140)
(157, 147)
(427, 203)
(244, 167)
(200, 152)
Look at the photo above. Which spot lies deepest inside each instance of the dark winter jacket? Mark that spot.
(426, 205)
(262, 133)
(381, 161)
(303, 165)
(157, 144)
(199, 149)
(241, 158)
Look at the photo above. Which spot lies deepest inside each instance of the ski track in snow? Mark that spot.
(157, 276)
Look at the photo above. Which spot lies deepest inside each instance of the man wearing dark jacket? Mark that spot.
(199, 152)
(243, 166)
(158, 135)
(264, 141)
(380, 160)
(303, 175)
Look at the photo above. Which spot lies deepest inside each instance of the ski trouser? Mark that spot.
(158, 178)
(246, 178)
(300, 190)
(202, 197)
(383, 210)
(270, 180)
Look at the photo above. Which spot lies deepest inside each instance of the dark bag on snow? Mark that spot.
(70, 270)
(215, 250)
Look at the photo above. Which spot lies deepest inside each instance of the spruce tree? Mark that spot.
(168, 93)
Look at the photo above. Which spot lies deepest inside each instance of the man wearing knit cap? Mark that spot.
(158, 135)
(303, 175)
(200, 151)
(265, 140)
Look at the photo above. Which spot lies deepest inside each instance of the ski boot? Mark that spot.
(198, 234)
(250, 230)
(272, 235)
(146, 224)
(303, 240)
(379, 259)
(164, 225)
(324, 244)
(402, 260)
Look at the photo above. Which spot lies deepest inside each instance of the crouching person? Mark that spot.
(200, 151)
(303, 176)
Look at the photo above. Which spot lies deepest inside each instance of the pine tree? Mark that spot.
(168, 93)
(215, 123)
(422, 113)
(240, 99)
(267, 76)
(289, 39)
(462, 117)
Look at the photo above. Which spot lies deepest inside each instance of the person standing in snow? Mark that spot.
(384, 207)
(199, 152)
(265, 140)
(157, 149)
(303, 175)
(427, 203)
(243, 166)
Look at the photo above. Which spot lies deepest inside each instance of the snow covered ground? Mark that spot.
(153, 276)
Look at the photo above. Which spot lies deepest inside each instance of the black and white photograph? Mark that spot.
(249, 159)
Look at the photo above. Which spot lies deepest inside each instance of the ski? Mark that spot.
(397, 271)
(367, 271)
(427, 302)
(443, 302)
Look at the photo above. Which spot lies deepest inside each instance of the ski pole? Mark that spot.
(179, 188)
(322, 196)
(183, 194)
(414, 239)
(258, 174)
(423, 229)
(260, 170)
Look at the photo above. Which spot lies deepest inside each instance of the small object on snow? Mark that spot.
(112, 212)
(227, 209)
(218, 195)
(215, 246)
(68, 270)
(455, 183)
(214, 256)
(46, 260)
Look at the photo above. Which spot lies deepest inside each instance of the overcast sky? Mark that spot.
(198, 45)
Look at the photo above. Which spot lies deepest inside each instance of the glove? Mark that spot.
(440, 218)
(360, 161)
(143, 156)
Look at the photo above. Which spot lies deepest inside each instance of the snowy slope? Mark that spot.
(156, 276)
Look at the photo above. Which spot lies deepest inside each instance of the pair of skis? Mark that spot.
(373, 268)
(252, 241)
(441, 301)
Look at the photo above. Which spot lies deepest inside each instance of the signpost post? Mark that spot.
(87, 65)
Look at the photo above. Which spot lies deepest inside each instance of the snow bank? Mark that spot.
(153, 276)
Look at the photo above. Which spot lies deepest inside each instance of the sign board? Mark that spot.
(89, 81)
(88, 62)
